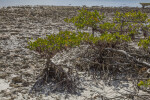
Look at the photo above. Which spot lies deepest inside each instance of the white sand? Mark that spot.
(3, 84)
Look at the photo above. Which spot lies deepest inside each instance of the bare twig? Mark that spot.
(129, 56)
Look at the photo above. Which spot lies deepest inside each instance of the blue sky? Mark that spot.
(132, 3)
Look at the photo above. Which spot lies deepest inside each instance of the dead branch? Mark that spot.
(129, 56)
(140, 56)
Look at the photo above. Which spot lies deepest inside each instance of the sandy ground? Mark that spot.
(19, 67)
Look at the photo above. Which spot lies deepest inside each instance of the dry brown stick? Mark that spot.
(97, 63)
(131, 96)
(87, 60)
(129, 56)
(140, 56)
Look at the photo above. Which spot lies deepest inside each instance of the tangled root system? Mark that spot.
(113, 59)
(57, 79)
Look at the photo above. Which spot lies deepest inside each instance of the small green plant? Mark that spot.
(132, 16)
(146, 29)
(124, 23)
(144, 83)
(144, 43)
(115, 37)
(55, 42)
(129, 22)
(107, 26)
(49, 46)
(86, 19)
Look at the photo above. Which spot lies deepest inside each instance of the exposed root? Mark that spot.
(57, 79)
(116, 61)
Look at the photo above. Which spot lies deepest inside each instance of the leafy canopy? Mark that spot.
(86, 19)
(56, 42)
